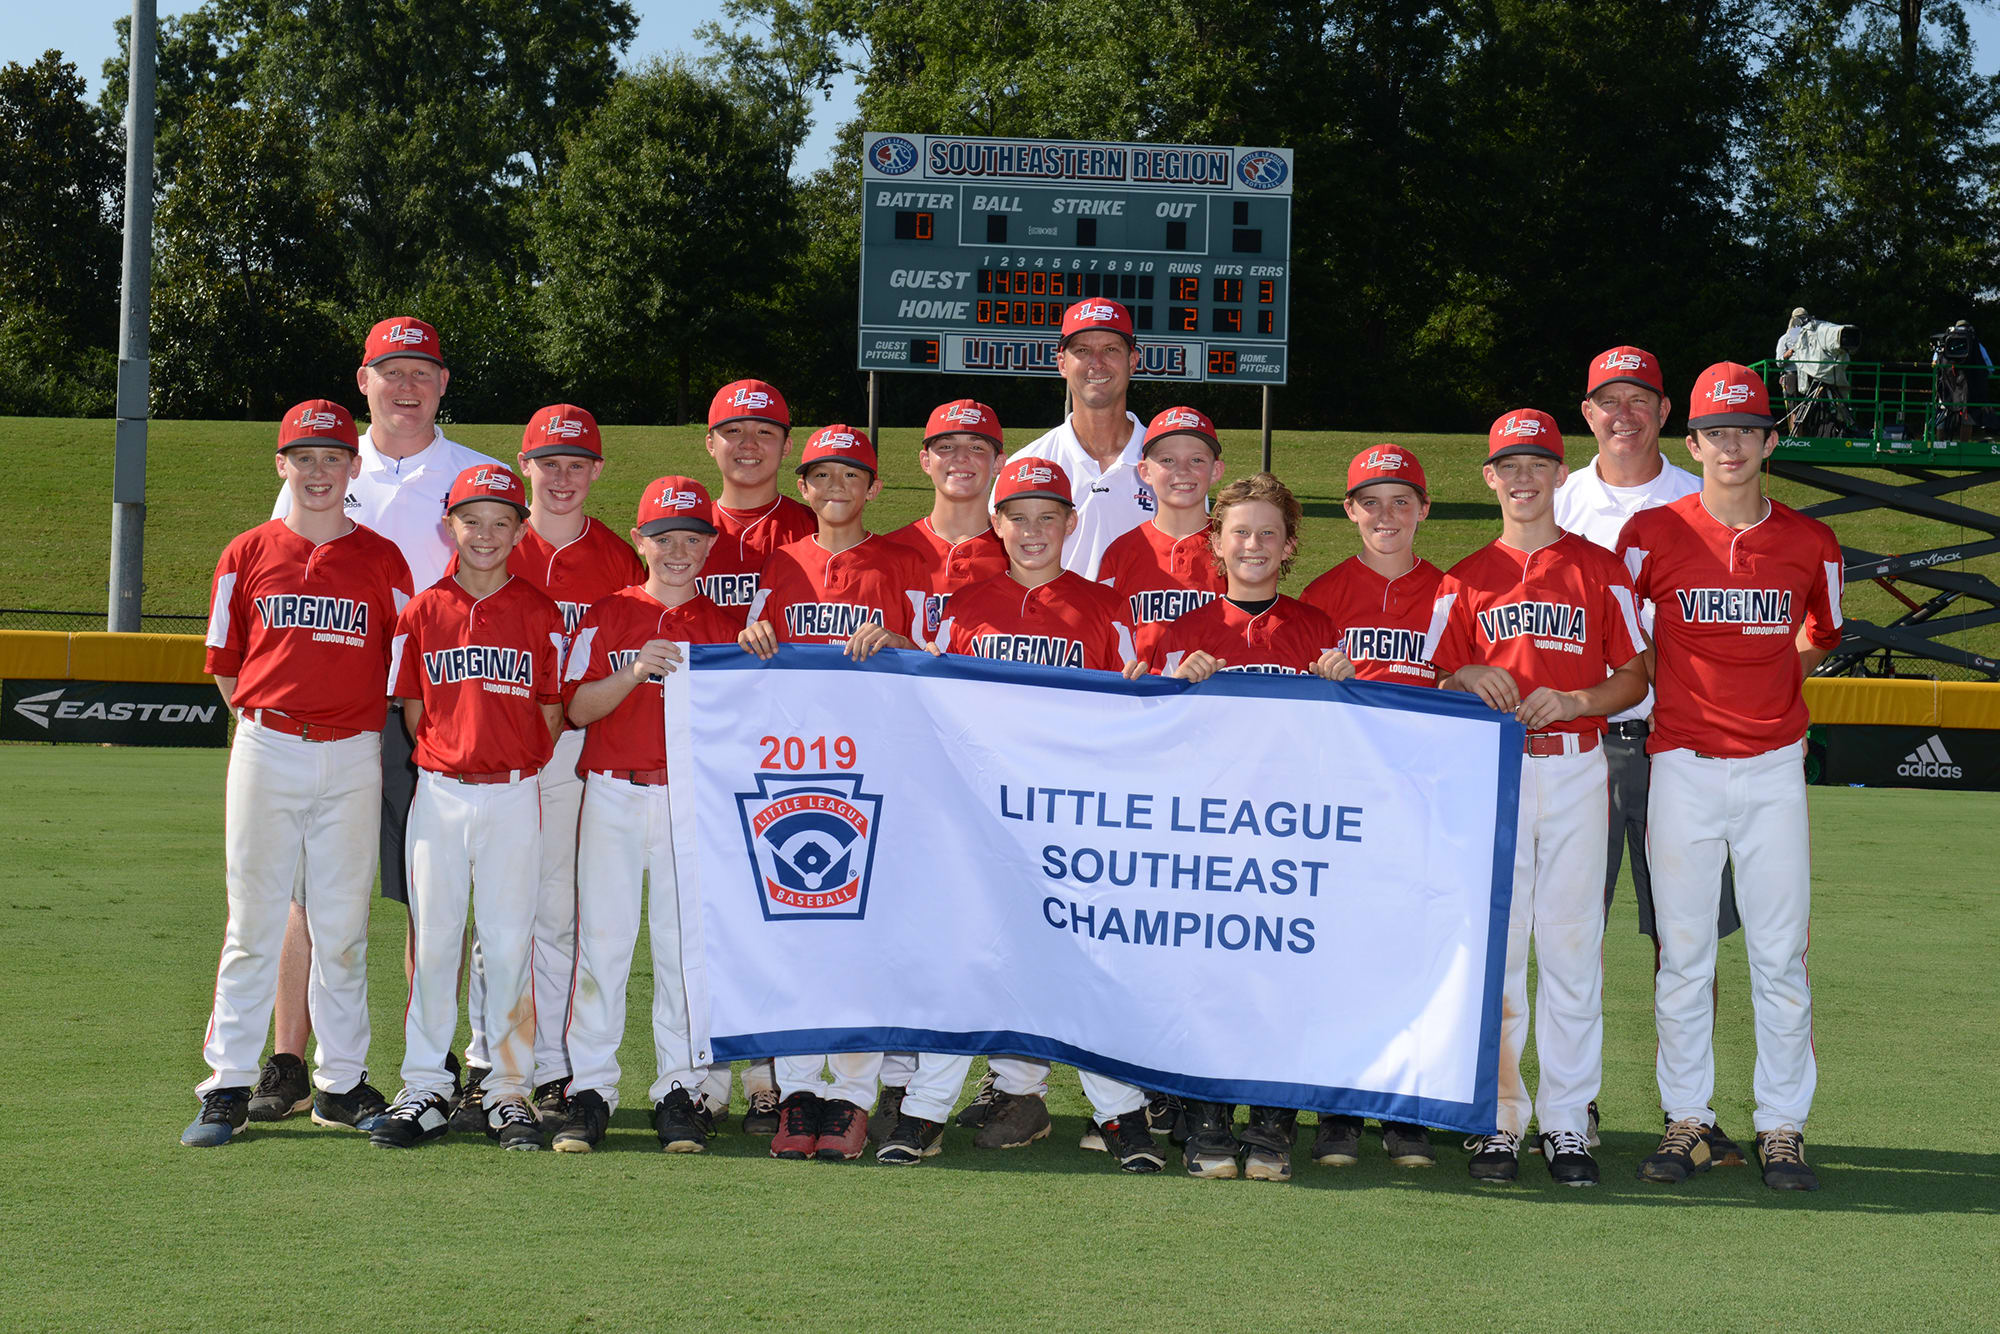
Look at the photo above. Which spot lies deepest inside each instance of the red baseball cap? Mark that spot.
(1386, 463)
(1524, 431)
(671, 503)
(749, 400)
(402, 336)
(488, 481)
(318, 421)
(964, 416)
(1627, 365)
(1729, 394)
(838, 444)
(1030, 478)
(562, 428)
(1181, 421)
(1095, 312)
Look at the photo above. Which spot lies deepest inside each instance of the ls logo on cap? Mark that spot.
(1390, 462)
(1182, 417)
(1523, 426)
(317, 420)
(670, 499)
(837, 440)
(1036, 476)
(1722, 391)
(967, 416)
(811, 839)
(493, 481)
(1096, 310)
(563, 428)
(750, 398)
(1621, 361)
(407, 335)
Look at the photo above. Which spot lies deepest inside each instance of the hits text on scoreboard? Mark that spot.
(972, 249)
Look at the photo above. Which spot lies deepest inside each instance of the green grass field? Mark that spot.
(110, 862)
(208, 481)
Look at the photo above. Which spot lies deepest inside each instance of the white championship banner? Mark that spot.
(1263, 889)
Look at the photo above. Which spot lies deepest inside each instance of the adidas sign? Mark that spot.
(1929, 761)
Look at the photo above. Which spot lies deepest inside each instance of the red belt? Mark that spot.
(505, 776)
(305, 731)
(643, 777)
(1557, 743)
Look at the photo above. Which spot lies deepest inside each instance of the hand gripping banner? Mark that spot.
(1262, 889)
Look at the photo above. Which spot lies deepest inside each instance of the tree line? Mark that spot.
(1486, 192)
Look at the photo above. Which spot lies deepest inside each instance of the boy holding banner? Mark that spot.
(1543, 624)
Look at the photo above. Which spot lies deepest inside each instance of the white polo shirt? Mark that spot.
(1110, 502)
(1590, 507)
(403, 499)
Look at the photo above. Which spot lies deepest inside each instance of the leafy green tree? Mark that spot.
(61, 190)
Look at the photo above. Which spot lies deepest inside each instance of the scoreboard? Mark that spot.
(972, 249)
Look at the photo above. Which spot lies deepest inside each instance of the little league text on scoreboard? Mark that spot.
(971, 250)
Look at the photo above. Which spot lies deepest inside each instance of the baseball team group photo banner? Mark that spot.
(1262, 889)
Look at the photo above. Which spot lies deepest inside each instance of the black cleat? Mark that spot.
(515, 1125)
(1131, 1143)
(981, 1108)
(1683, 1151)
(1407, 1145)
(1782, 1154)
(1337, 1142)
(1017, 1120)
(359, 1107)
(589, 1114)
(888, 1114)
(468, 1114)
(1165, 1115)
(1495, 1157)
(1722, 1150)
(223, 1112)
(1268, 1138)
(282, 1088)
(416, 1118)
(552, 1104)
(677, 1121)
(1210, 1148)
(913, 1140)
(760, 1116)
(1568, 1154)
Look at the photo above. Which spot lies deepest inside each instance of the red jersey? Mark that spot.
(1561, 616)
(1067, 622)
(953, 565)
(1381, 621)
(482, 668)
(1285, 640)
(814, 596)
(305, 629)
(634, 735)
(1161, 578)
(744, 541)
(593, 564)
(1726, 608)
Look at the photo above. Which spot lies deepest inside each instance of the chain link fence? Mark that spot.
(23, 618)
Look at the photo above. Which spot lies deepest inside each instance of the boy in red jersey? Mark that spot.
(963, 444)
(575, 560)
(299, 628)
(1746, 598)
(478, 666)
(1166, 566)
(1040, 613)
(1380, 599)
(1540, 624)
(628, 642)
(749, 434)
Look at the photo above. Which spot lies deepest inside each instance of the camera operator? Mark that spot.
(1790, 344)
(1960, 347)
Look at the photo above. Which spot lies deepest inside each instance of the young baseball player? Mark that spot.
(1167, 566)
(1540, 624)
(478, 664)
(299, 628)
(1746, 594)
(1037, 612)
(626, 645)
(842, 585)
(575, 560)
(1380, 601)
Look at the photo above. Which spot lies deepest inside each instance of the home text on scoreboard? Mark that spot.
(972, 249)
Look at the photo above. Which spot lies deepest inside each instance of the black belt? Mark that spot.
(1633, 729)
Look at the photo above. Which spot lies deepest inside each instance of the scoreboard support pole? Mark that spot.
(1267, 428)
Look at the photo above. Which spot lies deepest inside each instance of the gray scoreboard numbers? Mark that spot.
(971, 250)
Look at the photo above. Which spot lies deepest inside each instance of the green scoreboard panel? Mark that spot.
(972, 249)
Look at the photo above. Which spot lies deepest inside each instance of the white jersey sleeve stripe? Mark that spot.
(579, 654)
(1631, 615)
(218, 614)
(757, 608)
(396, 660)
(1440, 613)
(1833, 585)
(1127, 651)
(1635, 559)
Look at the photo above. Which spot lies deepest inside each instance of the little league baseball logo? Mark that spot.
(811, 839)
(893, 155)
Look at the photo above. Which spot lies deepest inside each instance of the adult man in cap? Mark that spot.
(407, 468)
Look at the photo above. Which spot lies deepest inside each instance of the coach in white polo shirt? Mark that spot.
(1625, 407)
(407, 468)
(1100, 442)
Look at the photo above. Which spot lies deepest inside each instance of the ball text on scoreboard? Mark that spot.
(972, 249)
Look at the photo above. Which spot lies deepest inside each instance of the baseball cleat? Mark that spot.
(1268, 1137)
(975, 1113)
(282, 1088)
(798, 1127)
(760, 1117)
(1495, 1157)
(1568, 1154)
(515, 1125)
(1337, 1142)
(359, 1107)
(415, 1118)
(1210, 1148)
(1132, 1144)
(223, 1112)
(1092, 1140)
(1164, 1116)
(677, 1121)
(843, 1131)
(913, 1140)
(1018, 1120)
(589, 1114)
(1722, 1150)
(888, 1114)
(1782, 1155)
(468, 1116)
(552, 1104)
(1683, 1151)
(1407, 1145)
(1534, 1144)
(1267, 1165)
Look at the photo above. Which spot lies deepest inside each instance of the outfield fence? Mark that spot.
(28, 618)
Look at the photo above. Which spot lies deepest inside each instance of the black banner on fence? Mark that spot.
(120, 712)
(1951, 759)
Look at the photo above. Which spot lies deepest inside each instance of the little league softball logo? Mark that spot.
(811, 839)
(1262, 170)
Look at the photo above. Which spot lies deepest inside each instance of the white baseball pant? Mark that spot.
(1109, 1098)
(897, 1068)
(1559, 853)
(625, 840)
(296, 810)
(486, 838)
(757, 1075)
(1753, 812)
(854, 1076)
(932, 1087)
(553, 958)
